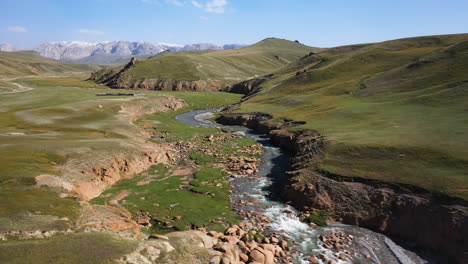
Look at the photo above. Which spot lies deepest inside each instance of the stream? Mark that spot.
(367, 246)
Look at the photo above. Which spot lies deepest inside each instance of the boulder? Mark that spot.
(215, 260)
(257, 256)
(313, 259)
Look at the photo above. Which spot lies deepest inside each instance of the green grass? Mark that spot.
(174, 130)
(318, 218)
(60, 124)
(6, 87)
(201, 158)
(83, 248)
(382, 118)
(225, 66)
(16, 199)
(198, 202)
(57, 122)
(75, 80)
(21, 63)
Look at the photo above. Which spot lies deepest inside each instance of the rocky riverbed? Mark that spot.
(279, 226)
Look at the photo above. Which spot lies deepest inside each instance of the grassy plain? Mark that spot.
(61, 120)
(26, 63)
(86, 248)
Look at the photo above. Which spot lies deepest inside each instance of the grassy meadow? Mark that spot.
(394, 111)
(60, 122)
(177, 199)
(71, 248)
(29, 63)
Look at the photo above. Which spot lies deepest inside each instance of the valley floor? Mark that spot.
(62, 147)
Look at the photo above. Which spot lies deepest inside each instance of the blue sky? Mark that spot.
(322, 23)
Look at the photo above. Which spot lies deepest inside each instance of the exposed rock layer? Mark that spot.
(431, 221)
(249, 87)
(119, 81)
(105, 169)
(107, 174)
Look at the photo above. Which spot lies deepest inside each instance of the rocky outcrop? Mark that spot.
(239, 244)
(241, 165)
(244, 244)
(176, 247)
(118, 80)
(108, 173)
(110, 77)
(431, 221)
(168, 85)
(249, 87)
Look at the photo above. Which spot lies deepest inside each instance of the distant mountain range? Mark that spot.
(203, 71)
(111, 51)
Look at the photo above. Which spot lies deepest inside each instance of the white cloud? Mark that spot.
(212, 6)
(203, 18)
(175, 2)
(88, 31)
(216, 6)
(197, 4)
(17, 29)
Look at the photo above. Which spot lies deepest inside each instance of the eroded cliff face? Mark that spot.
(91, 171)
(430, 221)
(249, 87)
(108, 173)
(119, 80)
(166, 85)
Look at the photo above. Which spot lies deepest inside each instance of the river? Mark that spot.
(367, 246)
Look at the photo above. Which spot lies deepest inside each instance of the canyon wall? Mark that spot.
(430, 221)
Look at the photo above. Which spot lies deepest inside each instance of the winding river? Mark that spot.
(367, 247)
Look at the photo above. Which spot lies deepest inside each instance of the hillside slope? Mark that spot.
(204, 70)
(21, 63)
(378, 134)
(394, 111)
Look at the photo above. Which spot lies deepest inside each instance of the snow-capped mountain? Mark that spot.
(209, 46)
(108, 51)
(201, 46)
(75, 50)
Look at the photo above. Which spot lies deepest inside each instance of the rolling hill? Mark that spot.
(21, 63)
(205, 69)
(394, 111)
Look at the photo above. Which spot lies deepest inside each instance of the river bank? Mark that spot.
(426, 220)
(256, 199)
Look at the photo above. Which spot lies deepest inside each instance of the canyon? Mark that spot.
(432, 221)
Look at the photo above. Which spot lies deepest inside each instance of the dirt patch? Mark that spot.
(115, 201)
(53, 181)
(19, 89)
(182, 171)
(146, 182)
(187, 171)
(108, 218)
